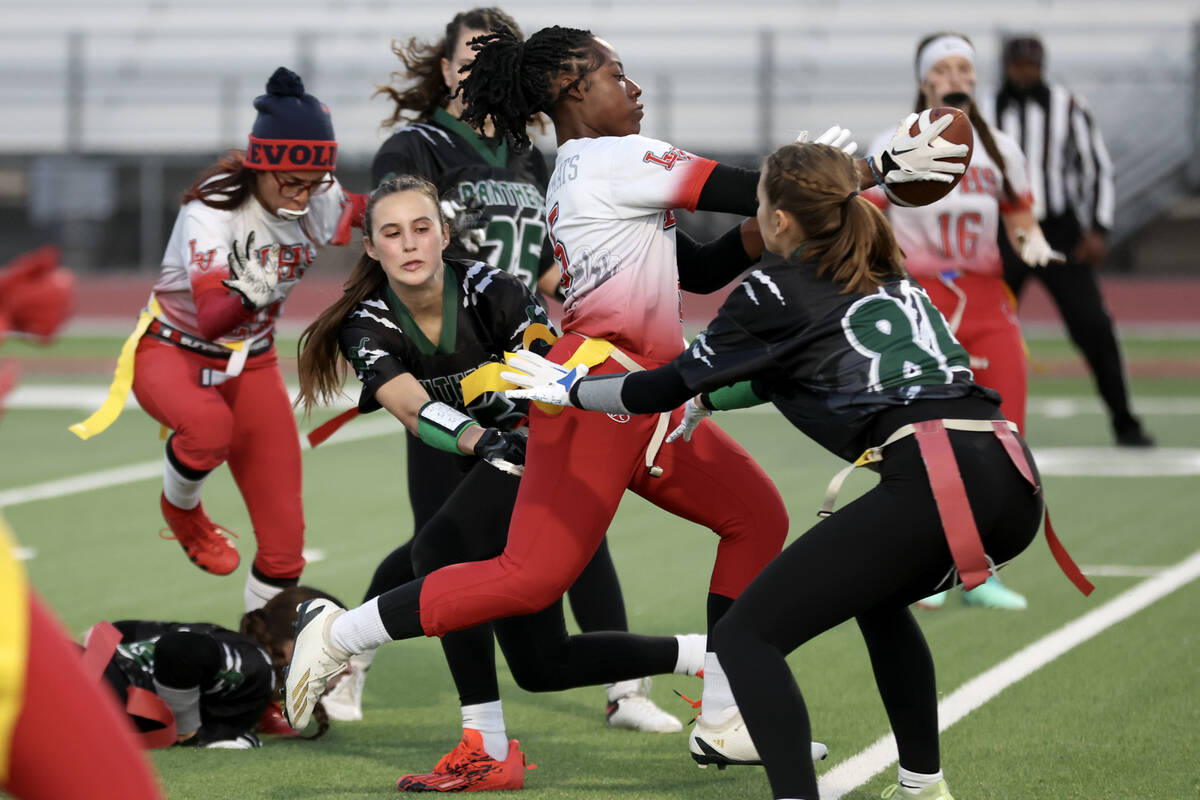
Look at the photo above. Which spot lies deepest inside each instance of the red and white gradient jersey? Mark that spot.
(197, 256)
(958, 232)
(610, 214)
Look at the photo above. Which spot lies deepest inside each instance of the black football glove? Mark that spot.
(504, 450)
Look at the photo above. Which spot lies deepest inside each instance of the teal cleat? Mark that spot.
(994, 594)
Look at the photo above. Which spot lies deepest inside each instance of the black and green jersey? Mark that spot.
(237, 677)
(829, 360)
(465, 166)
(484, 312)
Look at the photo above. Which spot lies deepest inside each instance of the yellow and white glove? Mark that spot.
(1035, 250)
(544, 381)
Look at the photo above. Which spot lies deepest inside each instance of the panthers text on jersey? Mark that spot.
(466, 167)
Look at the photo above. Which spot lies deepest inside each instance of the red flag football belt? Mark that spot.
(102, 642)
(169, 333)
(950, 496)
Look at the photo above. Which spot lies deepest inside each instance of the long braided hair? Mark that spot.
(847, 235)
(512, 81)
(322, 369)
(982, 129)
(422, 63)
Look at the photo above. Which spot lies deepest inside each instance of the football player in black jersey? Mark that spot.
(413, 324)
(218, 684)
(498, 197)
(831, 330)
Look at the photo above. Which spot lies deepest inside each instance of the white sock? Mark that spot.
(691, 653)
(359, 629)
(717, 703)
(914, 782)
(488, 719)
(615, 691)
(180, 491)
(258, 591)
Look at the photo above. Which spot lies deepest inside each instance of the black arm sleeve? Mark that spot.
(185, 658)
(659, 389)
(704, 268)
(732, 190)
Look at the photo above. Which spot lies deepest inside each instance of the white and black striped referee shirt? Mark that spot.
(1069, 166)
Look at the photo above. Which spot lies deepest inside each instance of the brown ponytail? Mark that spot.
(848, 236)
(233, 183)
(423, 65)
(322, 369)
(982, 129)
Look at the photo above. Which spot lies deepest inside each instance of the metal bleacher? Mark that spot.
(164, 77)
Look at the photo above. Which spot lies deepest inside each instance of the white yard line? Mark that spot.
(858, 769)
(356, 430)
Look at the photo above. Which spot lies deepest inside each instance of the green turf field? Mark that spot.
(1114, 717)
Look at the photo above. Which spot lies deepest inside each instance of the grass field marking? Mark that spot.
(862, 767)
(117, 476)
(1120, 571)
(88, 397)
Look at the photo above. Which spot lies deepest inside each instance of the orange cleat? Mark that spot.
(468, 768)
(200, 538)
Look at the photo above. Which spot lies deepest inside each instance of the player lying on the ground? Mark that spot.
(219, 687)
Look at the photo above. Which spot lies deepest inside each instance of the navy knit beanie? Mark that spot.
(293, 131)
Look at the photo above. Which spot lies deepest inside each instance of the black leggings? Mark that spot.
(472, 525)
(868, 562)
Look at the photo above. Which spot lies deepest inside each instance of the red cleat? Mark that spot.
(200, 538)
(273, 722)
(468, 768)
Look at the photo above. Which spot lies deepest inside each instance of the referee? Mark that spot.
(1072, 180)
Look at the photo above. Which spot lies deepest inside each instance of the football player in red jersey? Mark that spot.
(610, 216)
(205, 364)
(505, 191)
(950, 248)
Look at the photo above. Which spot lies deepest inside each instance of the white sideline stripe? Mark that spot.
(24, 553)
(1120, 571)
(313, 554)
(89, 397)
(858, 769)
(102, 479)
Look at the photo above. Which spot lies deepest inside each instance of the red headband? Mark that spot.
(291, 154)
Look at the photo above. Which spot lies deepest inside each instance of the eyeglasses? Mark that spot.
(293, 188)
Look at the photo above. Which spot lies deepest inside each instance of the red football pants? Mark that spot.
(246, 421)
(578, 465)
(71, 739)
(989, 330)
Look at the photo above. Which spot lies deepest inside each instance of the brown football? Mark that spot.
(922, 193)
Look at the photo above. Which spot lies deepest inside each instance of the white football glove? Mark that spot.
(543, 380)
(693, 414)
(908, 158)
(837, 136)
(1036, 251)
(257, 282)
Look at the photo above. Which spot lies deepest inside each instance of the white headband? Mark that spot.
(942, 47)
